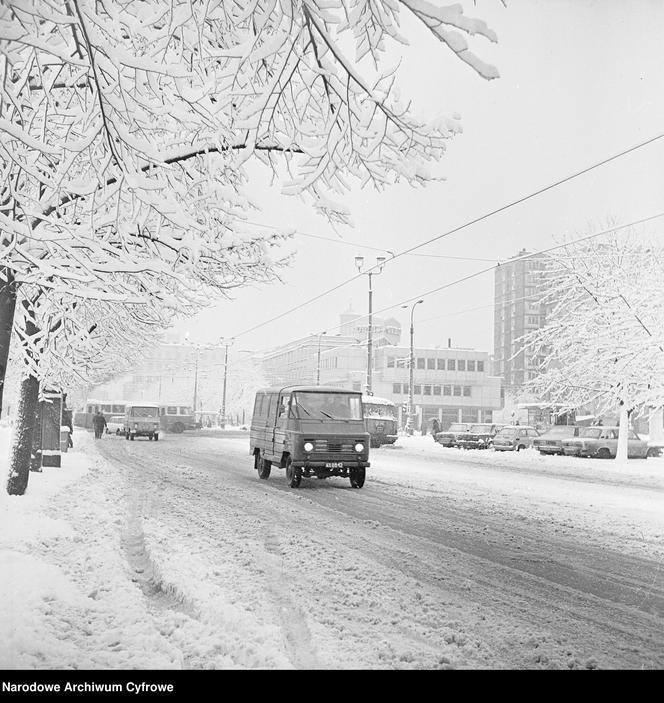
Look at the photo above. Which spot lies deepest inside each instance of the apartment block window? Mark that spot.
(406, 389)
(471, 365)
(451, 364)
(466, 391)
(436, 390)
(447, 390)
(431, 363)
(357, 386)
(421, 363)
(440, 364)
(480, 366)
(427, 390)
(417, 390)
(396, 388)
(457, 390)
(390, 362)
(461, 364)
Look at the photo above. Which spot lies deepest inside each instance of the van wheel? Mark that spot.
(357, 477)
(264, 467)
(520, 447)
(293, 475)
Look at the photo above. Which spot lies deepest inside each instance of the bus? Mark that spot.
(174, 417)
(380, 419)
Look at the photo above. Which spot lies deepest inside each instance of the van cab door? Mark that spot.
(280, 415)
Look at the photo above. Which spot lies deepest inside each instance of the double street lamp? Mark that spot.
(359, 263)
(411, 366)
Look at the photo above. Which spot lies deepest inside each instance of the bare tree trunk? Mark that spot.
(7, 307)
(19, 467)
(623, 429)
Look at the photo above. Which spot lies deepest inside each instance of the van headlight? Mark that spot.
(308, 447)
(359, 447)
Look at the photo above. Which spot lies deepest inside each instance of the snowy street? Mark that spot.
(176, 555)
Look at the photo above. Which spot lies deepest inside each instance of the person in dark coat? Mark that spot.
(99, 424)
(435, 427)
(67, 422)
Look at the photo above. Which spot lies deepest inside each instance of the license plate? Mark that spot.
(334, 464)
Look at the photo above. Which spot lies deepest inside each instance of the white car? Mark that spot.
(115, 424)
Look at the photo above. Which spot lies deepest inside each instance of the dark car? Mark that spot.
(602, 442)
(551, 442)
(448, 438)
(478, 436)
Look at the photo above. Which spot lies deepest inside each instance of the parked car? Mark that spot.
(551, 441)
(602, 442)
(115, 424)
(478, 436)
(514, 438)
(449, 437)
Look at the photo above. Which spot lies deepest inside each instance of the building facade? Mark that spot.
(449, 384)
(517, 311)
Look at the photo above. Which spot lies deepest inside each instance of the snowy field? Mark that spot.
(97, 577)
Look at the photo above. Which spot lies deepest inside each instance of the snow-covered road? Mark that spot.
(444, 559)
(174, 555)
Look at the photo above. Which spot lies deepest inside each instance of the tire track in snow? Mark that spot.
(293, 623)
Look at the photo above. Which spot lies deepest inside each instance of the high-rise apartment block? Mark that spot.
(517, 311)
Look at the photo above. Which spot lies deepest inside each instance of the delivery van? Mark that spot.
(310, 431)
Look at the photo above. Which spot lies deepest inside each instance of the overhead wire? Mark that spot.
(457, 229)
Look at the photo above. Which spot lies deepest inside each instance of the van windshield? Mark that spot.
(330, 406)
(138, 411)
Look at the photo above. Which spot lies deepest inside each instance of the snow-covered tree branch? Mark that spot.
(603, 344)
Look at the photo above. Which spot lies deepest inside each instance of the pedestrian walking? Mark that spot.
(435, 427)
(99, 424)
(67, 422)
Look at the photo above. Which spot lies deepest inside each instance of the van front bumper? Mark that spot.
(331, 464)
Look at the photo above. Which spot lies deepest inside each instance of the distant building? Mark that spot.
(517, 311)
(449, 384)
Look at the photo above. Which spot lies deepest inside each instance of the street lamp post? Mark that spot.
(359, 263)
(223, 393)
(411, 367)
(318, 362)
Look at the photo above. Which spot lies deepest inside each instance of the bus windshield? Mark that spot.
(373, 410)
(141, 411)
(330, 406)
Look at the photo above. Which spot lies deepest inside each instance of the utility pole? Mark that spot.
(318, 363)
(223, 395)
(359, 263)
(195, 382)
(411, 366)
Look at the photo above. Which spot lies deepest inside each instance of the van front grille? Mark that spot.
(323, 445)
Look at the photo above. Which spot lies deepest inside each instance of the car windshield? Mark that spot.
(140, 411)
(330, 406)
(562, 431)
(480, 428)
(457, 427)
(590, 432)
(507, 432)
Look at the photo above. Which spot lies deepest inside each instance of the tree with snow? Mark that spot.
(603, 342)
(125, 129)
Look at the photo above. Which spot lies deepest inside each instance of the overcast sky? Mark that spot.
(580, 81)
